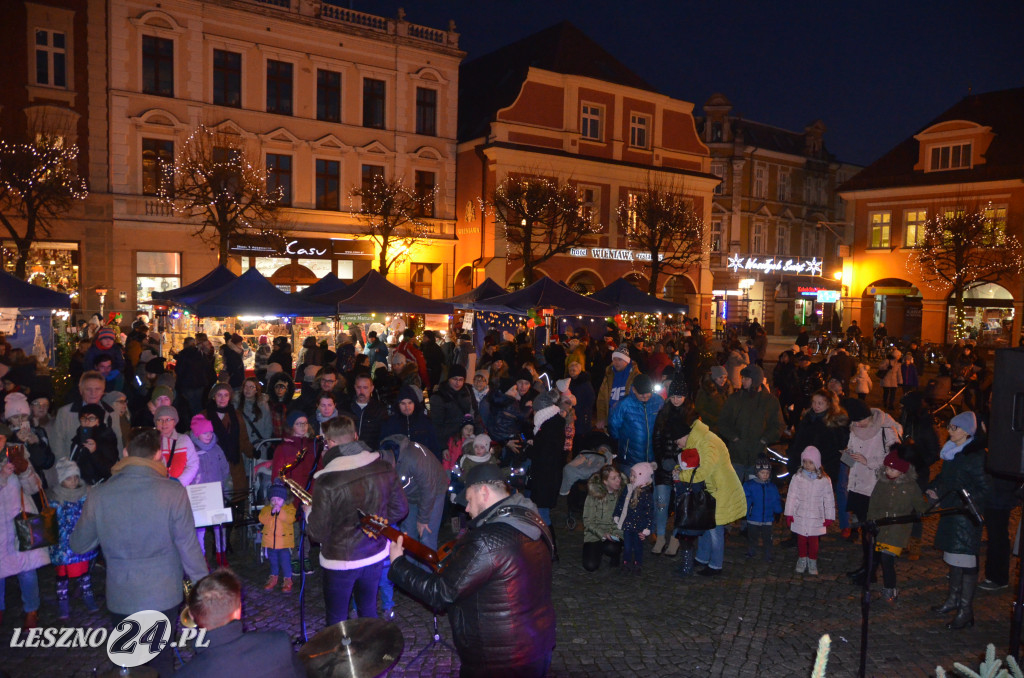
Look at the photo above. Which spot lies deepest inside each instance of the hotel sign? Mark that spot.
(792, 266)
(614, 255)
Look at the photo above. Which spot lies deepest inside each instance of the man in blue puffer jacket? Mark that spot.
(632, 423)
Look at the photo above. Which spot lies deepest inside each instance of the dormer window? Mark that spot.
(954, 156)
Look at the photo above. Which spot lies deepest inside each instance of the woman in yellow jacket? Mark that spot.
(716, 472)
(278, 519)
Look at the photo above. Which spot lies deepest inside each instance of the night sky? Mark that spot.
(874, 72)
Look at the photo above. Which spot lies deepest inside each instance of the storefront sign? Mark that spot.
(306, 248)
(893, 291)
(792, 266)
(615, 255)
(828, 296)
(808, 291)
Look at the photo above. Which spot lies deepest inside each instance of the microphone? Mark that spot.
(971, 508)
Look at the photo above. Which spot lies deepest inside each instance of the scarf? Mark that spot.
(871, 430)
(69, 495)
(951, 449)
(158, 466)
(225, 426)
(625, 505)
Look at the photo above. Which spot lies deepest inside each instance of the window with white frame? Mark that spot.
(631, 215)
(782, 239)
(639, 128)
(590, 204)
(880, 224)
(757, 238)
(590, 122)
(760, 181)
(783, 187)
(952, 156)
(156, 272)
(716, 235)
(718, 169)
(913, 227)
(51, 58)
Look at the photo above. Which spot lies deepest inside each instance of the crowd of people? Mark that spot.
(416, 430)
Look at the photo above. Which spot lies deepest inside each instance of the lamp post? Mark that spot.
(102, 291)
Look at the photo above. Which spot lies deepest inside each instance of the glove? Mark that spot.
(789, 521)
(828, 522)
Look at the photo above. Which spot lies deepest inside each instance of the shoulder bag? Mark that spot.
(36, 530)
(695, 507)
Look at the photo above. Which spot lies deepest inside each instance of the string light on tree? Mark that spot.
(392, 217)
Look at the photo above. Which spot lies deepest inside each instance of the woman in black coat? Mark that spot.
(827, 427)
(673, 422)
(583, 390)
(546, 453)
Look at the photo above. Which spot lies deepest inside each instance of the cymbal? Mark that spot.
(354, 648)
(134, 672)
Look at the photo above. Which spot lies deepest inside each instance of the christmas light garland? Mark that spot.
(390, 212)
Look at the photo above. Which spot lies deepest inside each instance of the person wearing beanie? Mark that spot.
(617, 385)
(450, 403)
(634, 515)
(232, 435)
(764, 504)
(68, 498)
(94, 445)
(672, 422)
(546, 453)
(411, 421)
(213, 468)
(896, 494)
(715, 388)
(278, 537)
(810, 508)
(632, 423)
(106, 344)
(825, 426)
(750, 421)
(176, 449)
(297, 448)
(959, 538)
(18, 414)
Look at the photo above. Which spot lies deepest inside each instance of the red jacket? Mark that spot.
(409, 350)
(286, 452)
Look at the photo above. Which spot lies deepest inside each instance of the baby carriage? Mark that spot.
(576, 474)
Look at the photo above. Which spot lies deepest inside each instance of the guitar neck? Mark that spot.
(414, 548)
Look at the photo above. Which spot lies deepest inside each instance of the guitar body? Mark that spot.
(377, 526)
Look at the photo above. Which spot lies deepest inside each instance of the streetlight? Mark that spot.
(102, 292)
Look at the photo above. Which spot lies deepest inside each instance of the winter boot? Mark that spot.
(801, 565)
(31, 620)
(673, 547)
(812, 566)
(956, 579)
(286, 587)
(271, 583)
(890, 595)
(659, 546)
(63, 604)
(88, 597)
(965, 614)
(685, 568)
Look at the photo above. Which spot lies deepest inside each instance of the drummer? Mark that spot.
(215, 604)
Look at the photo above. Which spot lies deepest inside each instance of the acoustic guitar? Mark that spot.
(377, 526)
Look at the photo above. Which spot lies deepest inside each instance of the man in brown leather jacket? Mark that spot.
(495, 585)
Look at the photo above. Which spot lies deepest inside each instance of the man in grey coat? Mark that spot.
(143, 521)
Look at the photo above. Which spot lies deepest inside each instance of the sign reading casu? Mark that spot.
(308, 248)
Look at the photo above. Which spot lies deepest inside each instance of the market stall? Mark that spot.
(26, 316)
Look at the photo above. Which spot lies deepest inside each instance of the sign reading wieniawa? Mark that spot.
(606, 253)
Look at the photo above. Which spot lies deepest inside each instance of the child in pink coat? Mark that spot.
(810, 508)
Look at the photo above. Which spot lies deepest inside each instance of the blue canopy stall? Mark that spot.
(623, 296)
(250, 294)
(27, 316)
(184, 296)
(328, 284)
(485, 290)
(373, 292)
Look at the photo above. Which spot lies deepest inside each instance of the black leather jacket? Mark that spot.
(353, 478)
(496, 587)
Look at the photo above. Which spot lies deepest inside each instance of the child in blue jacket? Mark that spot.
(634, 514)
(763, 503)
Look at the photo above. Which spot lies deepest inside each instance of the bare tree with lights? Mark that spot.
(661, 221)
(542, 218)
(391, 216)
(214, 181)
(39, 182)
(964, 246)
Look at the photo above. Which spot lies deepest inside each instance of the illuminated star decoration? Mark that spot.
(736, 263)
(814, 266)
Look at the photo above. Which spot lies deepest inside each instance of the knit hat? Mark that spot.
(155, 366)
(811, 452)
(718, 371)
(689, 459)
(763, 463)
(264, 340)
(165, 411)
(15, 404)
(856, 408)
(161, 391)
(407, 392)
(201, 425)
(893, 460)
(644, 472)
(524, 375)
(486, 374)
(456, 371)
(111, 397)
(481, 473)
(677, 387)
(66, 469)
(279, 490)
(294, 416)
(236, 338)
(546, 399)
(563, 385)
(217, 388)
(642, 384)
(106, 333)
(622, 352)
(966, 421)
(483, 440)
(755, 373)
(95, 410)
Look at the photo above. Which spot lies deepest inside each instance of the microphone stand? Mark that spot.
(869, 531)
(317, 451)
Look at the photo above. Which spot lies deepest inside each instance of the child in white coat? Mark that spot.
(810, 508)
(861, 382)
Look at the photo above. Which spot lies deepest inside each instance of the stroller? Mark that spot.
(260, 480)
(598, 451)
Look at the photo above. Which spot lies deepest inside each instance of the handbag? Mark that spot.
(36, 530)
(695, 507)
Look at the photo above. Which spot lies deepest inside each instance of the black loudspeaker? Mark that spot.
(1006, 426)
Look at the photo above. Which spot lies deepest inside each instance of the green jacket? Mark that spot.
(710, 400)
(599, 509)
(750, 421)
(717, 473)
(895, 498)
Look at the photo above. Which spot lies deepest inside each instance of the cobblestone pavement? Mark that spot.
(756, 619)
